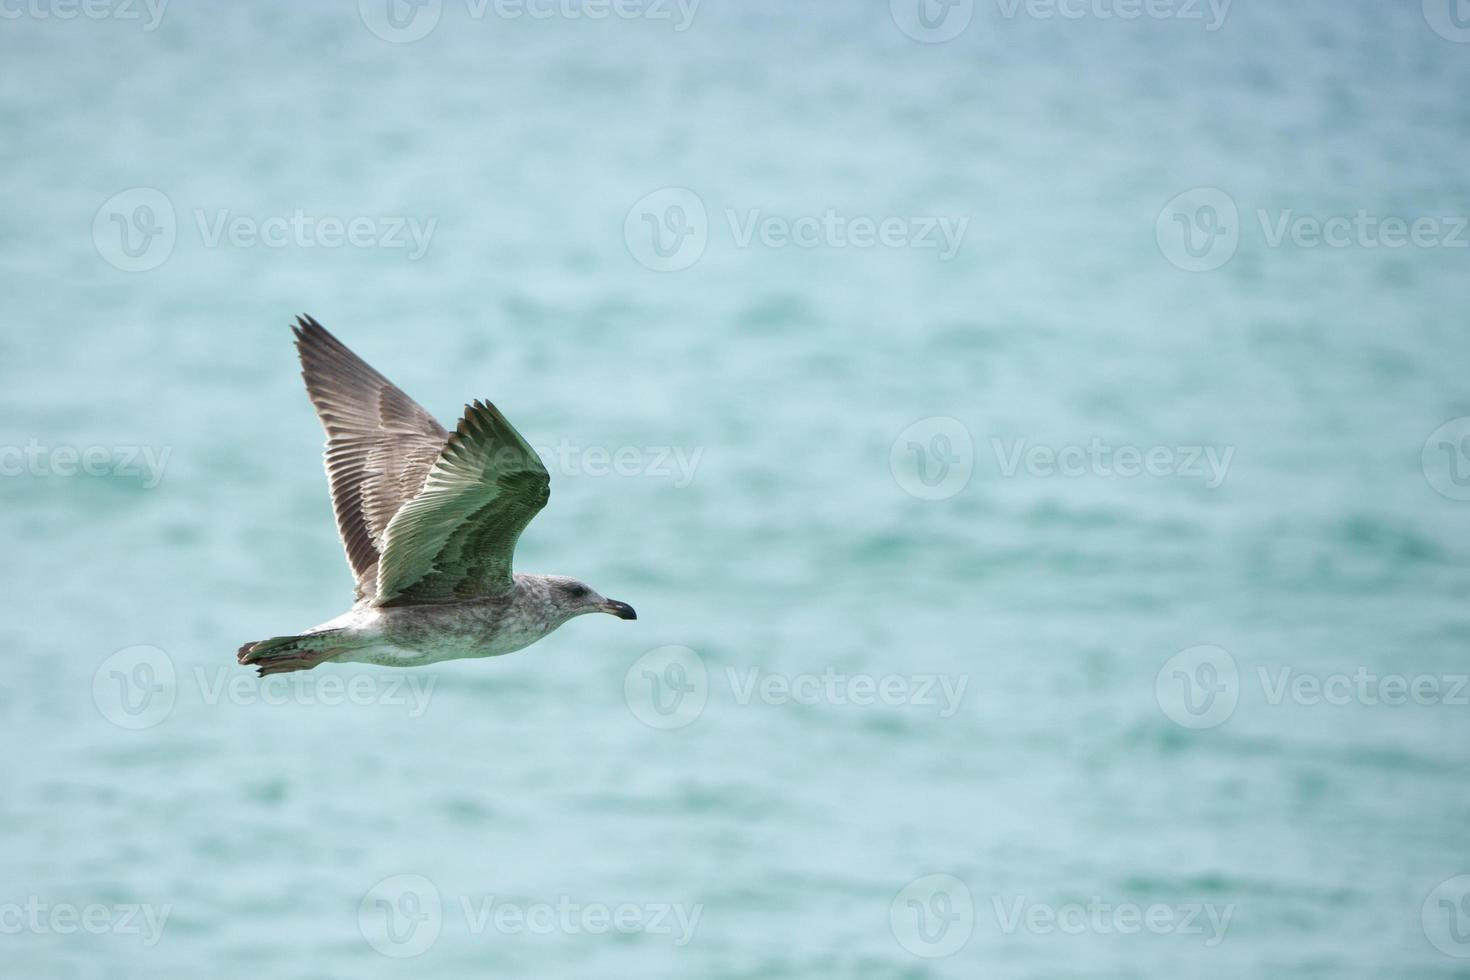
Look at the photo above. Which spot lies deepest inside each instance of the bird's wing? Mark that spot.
(381, 444)
(455, 539)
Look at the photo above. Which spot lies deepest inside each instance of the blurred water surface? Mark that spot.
(266, 819)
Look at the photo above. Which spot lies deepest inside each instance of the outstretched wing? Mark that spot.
(455, 539)
(381, 444)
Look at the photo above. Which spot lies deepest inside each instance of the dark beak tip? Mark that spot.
(624, 611)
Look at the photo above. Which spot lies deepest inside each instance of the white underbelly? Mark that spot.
(393, 655)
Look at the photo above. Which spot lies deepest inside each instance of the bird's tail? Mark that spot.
(281, 654)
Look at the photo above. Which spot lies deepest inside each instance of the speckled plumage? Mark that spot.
(429, 520)
(411, 636)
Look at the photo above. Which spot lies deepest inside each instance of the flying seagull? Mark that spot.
(429, 520)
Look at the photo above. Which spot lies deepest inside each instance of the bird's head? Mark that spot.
(576, 598)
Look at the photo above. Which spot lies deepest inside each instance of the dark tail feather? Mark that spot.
(282, 654)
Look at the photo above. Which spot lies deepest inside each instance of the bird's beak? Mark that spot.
(619, 609)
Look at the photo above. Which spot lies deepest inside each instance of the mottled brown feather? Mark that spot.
(381, 444)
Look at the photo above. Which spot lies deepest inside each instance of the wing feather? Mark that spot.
(456, 538)
(381, 444)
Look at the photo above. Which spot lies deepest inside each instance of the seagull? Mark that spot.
(429, 520)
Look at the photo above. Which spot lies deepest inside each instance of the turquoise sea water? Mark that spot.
(922, 684)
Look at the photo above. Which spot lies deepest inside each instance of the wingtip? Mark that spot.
(483, 406)
(311, 335)
(468, 420)
(481, 416)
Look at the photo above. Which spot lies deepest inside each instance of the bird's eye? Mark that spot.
(577, 591)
